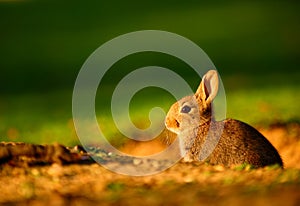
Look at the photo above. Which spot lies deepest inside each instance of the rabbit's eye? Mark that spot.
(185, 109)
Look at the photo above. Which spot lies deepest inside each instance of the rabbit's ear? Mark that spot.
(208, 87)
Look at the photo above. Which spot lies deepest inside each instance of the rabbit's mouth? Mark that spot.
(173, 127)
(177, 124)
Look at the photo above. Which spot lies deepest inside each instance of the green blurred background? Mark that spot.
(43, 44)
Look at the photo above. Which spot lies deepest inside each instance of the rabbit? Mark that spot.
(201, 138)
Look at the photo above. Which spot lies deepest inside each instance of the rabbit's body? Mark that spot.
(232, 142)
(228, 142)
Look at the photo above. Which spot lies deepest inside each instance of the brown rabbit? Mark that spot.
(202, 138)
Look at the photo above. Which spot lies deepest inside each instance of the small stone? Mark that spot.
(137, 161)
(188, 179)
(55, 170)
(35, 172)
(219, 168)
(155, 164)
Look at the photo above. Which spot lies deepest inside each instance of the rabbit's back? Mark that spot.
(239, 143)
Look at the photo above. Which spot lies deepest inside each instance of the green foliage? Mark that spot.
(264, 106)
(48, 118)
(43, 49)
(273, 167)
(116, 186)
(254, 45)
(244, 166)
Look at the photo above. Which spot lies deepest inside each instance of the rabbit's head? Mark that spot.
(192, 111)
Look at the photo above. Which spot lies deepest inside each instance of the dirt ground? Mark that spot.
(88, 183)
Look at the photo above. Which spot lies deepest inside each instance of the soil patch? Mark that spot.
(71, 178)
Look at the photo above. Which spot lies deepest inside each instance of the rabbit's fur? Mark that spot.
(201, 138)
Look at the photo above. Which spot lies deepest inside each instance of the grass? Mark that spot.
(264, 106)
(47, 118)
(253, 44)
(37, 118)
(183, 183)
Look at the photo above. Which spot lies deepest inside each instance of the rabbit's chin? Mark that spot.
(187, 158)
